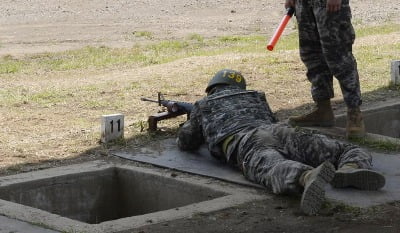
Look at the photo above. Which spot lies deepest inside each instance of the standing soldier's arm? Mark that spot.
(190, 135)
(333, 5)
(290, 3)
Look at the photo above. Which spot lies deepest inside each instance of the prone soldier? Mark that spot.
(239, 128)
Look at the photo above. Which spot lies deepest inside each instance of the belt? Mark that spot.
(226, 142)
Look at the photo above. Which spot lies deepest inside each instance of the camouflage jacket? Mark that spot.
(222, 114)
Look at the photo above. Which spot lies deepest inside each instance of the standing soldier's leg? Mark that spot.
(337, 36)
(318, 72)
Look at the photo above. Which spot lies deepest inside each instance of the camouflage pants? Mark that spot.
(276, 155)
(326, 41)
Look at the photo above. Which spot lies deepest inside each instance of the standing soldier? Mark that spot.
(239, 128)
(326, 36)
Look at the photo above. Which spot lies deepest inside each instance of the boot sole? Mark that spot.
(314, 193)
(360, 178)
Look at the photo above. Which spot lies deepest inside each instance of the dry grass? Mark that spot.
(51, 114)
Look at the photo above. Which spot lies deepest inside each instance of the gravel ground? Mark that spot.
(31, 26)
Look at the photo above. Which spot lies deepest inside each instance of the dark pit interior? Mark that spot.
(108, 194)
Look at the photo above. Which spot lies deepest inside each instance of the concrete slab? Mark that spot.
(8, 225)
(202, 163)
(389, 165)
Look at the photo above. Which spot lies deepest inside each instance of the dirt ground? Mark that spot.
(36, 26)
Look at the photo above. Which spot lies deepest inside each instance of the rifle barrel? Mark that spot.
(149, 100)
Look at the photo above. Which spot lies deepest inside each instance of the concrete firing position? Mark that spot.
(202, 163)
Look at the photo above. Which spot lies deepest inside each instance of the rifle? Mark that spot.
(174, 109)
(278, 32)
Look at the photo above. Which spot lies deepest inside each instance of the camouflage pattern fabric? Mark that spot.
(276, 155)
(222, 114)
(268, 153)
(326, 49)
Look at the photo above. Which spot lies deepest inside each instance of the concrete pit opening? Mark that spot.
(109, 194)
(102, 197)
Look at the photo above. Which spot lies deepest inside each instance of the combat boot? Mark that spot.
(351, 175)
(322, 115)
(314, 182)
(355, 124)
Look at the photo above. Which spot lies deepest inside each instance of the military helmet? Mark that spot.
(229, 77)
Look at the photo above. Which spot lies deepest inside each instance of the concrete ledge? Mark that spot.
(379, 120)
(339, 132)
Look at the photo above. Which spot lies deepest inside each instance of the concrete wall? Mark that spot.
(142, 193)
(384, 120)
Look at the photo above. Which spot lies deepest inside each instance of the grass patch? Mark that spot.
(165, 51)
(289, 42)
(95, 104)
(9, 65)
(44, 98)
(374, 64)
(377, 30)
(377, 144)
(245, 41)
(48, 97)
(232, 39)
(103, 57)
(196, 37)
(97, 57)
(146, 34)
(13, 96)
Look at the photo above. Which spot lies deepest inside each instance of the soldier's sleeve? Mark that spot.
(264, 99)
(262, 96)
(190, 135)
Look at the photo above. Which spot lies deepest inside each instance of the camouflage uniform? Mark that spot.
(326, 49)
(268, 153)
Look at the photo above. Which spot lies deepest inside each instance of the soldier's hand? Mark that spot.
(290, 3)
(333, 5)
